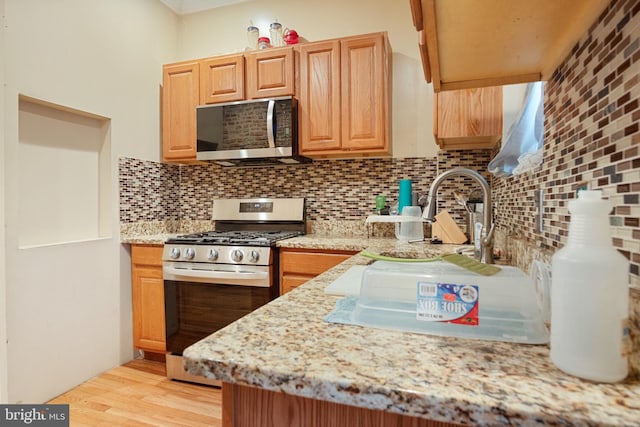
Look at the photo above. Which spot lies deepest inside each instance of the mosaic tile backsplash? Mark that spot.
(335, 190)
(591, 137)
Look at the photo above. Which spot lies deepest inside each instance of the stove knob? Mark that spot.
(175, 253)
(213, 255)
(254, 256)
(236, 255)
(189, 253)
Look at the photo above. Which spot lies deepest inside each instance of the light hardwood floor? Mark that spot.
(139, 394)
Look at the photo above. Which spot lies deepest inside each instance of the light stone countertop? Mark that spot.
(286, 346)
(146, 239)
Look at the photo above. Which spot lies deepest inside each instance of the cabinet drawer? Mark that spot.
(310, 263)
(146, 254)
(298, 265)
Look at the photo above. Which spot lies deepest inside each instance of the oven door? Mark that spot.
(201, 298)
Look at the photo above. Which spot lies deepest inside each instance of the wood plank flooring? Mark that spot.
(139, 394)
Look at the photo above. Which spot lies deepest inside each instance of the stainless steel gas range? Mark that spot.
(212, 279)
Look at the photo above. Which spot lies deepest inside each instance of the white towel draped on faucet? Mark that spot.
(522, 147)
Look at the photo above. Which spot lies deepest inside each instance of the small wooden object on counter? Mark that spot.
(468, 118)
(446, 229)
(477, 44)
(300, 265)
(148, 298)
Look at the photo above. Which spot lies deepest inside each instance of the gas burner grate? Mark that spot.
(244, 237)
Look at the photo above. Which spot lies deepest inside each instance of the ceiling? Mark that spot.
(184, 7)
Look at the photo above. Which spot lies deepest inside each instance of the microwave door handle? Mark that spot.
(252, 278)
(271, 138)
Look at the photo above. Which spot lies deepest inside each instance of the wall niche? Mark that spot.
(64, 174)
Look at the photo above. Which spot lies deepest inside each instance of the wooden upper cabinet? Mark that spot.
(344, 97)
(471, 44)
(468, 118)
(180, 96)
(319, 96)
(270, 73)
(222, 79)
(364, 93)
(342, 87)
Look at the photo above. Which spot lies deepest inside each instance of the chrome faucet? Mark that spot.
(484, 251)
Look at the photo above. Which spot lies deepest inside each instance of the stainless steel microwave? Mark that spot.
(249, 133)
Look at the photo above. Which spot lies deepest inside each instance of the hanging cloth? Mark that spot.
(522, 147)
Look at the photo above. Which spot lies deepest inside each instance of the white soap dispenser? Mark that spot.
(590, 296)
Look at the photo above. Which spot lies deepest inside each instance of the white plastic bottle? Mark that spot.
(590, 296)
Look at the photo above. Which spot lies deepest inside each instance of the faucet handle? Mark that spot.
(489, 237)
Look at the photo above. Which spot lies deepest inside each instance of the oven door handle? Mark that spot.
(220, 277)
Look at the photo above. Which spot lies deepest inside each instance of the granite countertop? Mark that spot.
(387, 245)
(286, 346)
(146, 239)
(323, 242)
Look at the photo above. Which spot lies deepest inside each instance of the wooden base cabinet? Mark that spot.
(244, 406)
(148, 298)
(300, 265)
(344, 97)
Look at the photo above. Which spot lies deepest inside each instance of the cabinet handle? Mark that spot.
(271, 123)
(241, 278)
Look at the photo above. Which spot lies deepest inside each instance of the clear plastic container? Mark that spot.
(392, 297)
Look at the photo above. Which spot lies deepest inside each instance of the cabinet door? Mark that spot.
(468, 118)
(180, 96)
(365, 82)
(319, 95)
(148, 298)
(270, 73)
(222, 79)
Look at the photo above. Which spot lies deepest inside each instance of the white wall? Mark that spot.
(68, 306)
(3, 311)
(223, 30)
